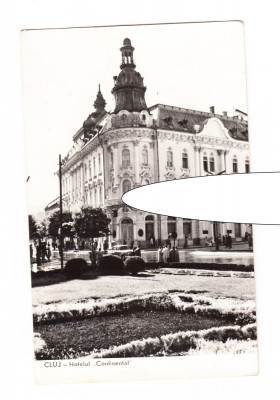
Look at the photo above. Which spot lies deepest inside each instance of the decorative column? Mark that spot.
(136, 162)
(197, 150)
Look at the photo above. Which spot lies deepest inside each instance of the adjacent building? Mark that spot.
(136, 145)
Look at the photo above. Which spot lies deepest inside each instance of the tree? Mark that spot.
(91, 223)
(33, 234)
(67, 224)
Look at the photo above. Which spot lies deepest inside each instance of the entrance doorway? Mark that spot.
(126, 231)
(149, 227)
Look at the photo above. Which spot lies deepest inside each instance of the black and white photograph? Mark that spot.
(107, 110)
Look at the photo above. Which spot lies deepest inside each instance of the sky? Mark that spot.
(194, 65)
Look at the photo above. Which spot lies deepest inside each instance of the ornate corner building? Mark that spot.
(137, 145)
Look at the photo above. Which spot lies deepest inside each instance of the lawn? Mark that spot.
(124, 316)
(112, 286)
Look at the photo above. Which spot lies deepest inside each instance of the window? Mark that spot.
(212, 164)
(126, 186)
(89, 170)
(125, 158)
(145, 156)
(187, 228)
(112, 160)
(185, 163)
(171, 225)
(247, 166)
(94, 172)
(205, 163)
(100, 195)
(169, 158)
(85, 173)
(144, 117)
(95, 197)
(234, 165)
(99, 163)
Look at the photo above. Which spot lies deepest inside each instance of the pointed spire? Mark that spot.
(99, 103)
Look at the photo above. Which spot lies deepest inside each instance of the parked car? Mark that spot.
(121, 250)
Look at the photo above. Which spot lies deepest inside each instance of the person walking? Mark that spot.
(49, 253)
(160, 254)
(229, 241)
(164, 254)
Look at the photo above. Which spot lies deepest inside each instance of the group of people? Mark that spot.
(166, 254)
(225, 240)
(43, 251)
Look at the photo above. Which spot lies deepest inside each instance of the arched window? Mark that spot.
(212, 163)
(125, 158)
(234, 164)
(247, 166)
(99, 163)
(205, 163)
(143, 117)
(145, 156)
(185, 162)
(169, 158)
(126, 186)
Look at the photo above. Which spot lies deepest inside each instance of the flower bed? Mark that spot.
(185, 342)
(229, 308)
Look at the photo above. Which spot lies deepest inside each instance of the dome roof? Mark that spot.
(129, 76)
(127, 42)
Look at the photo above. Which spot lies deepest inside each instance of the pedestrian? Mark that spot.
(124, 241)
(229, 241)
(31, 251)
(105, 245)
(160, 255)
(44, 250)
(250, 241)
(38, 254)
(172, 254)
(98, 256)
(224, 240)
(49, 253)
(177, 259)
(164, 254)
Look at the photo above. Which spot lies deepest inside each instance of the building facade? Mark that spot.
(137, 145)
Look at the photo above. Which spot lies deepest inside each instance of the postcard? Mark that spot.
(120, 293)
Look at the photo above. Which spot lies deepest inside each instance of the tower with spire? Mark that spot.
(129, 90)
(99, 109)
